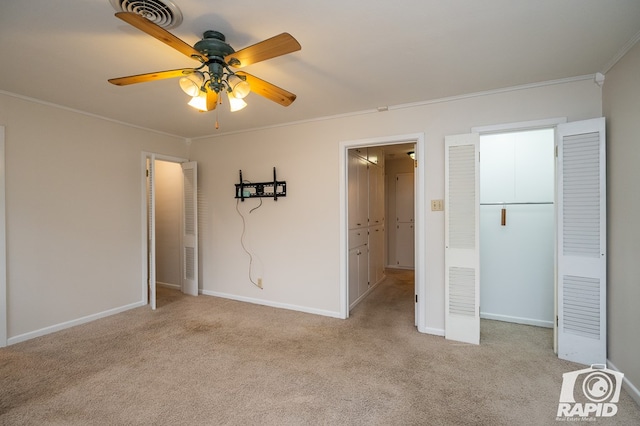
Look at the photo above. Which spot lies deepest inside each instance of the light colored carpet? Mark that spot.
(209, 361)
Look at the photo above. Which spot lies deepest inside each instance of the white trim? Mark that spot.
(167, 285)
(272, 304)
(3, 247)
(383, 109)
(633, 390)
(72, 323)
(420, 256)
(420, 215)
(517, 320)
(144, 245)
(519, 126)
(404, 268)
(379, 110)
(88, 114)
(434, 331)
(620, 54)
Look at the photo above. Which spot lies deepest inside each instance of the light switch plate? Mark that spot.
(437, 205)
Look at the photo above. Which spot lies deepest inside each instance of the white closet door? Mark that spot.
(190, 229)
(151, 232)
(581, 238)
(462, 254)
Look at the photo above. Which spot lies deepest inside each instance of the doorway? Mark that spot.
(347, 248)
(170, 225)
(580, 238)
(168, 208)
(517, 227)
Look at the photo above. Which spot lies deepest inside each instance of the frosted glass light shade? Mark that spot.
(239, 87)
(191, 84)
(200, 101)
(235, 104)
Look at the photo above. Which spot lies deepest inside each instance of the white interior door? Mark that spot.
(190, 229)
(462, 254)
(151, 231)
(581, 242)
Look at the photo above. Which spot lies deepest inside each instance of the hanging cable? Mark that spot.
(244, 227)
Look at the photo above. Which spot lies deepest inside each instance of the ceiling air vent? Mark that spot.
(162, 13)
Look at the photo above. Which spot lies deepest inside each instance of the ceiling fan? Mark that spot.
(214, 75)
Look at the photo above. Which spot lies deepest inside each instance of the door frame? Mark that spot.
(151, 156)
(420, 220)
(3, 247)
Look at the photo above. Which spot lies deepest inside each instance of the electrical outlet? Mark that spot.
(437, 205)
(260, 282)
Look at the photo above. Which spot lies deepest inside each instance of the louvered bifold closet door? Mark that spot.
(462, 255)
(582, 242)
(190, 229)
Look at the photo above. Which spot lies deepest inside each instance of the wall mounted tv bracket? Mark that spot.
(275, 189)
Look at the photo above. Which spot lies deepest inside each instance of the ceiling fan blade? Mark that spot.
(212, 100)
(267, 49)
(145, 25)
(268, 90)
(152, 76)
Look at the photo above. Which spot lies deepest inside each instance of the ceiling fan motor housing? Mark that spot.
(213, 44)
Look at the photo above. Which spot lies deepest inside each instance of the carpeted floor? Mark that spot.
(209, 361)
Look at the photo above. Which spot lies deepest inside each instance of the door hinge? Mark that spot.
(556, 151)
(416, 298)
(147, 172)
(557, 321)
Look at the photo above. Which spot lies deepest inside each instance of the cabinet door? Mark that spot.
(374, 154)
(363, 270)
(362, 215)
(353, 274)
(376, 254)
(352, 190)
(405, 245)
(376, 195)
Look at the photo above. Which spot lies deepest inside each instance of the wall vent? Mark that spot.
(162, 13)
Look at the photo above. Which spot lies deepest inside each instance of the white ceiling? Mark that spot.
(356, 55)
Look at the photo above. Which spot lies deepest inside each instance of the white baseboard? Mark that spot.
(434, 331)
(408, 268)
(167, 285)
(72, 323)
(633, 391)
(517, 320)
(273, 304)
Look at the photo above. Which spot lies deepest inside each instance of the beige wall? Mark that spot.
(621, 106)
(74, 214)
(297, 239)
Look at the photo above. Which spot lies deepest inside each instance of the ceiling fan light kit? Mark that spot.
(214, 74)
